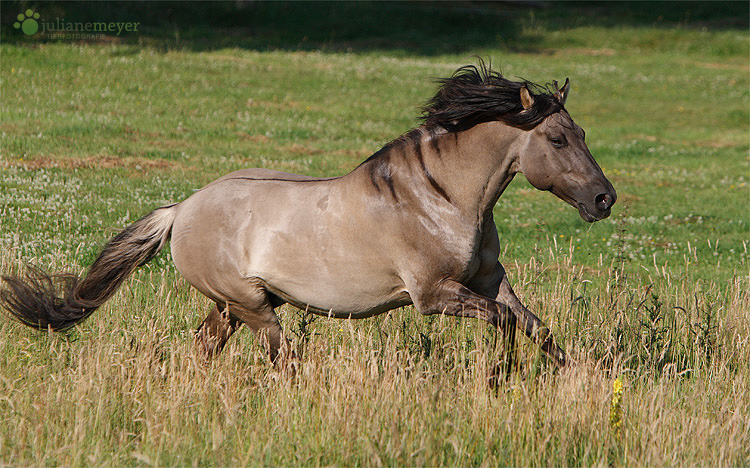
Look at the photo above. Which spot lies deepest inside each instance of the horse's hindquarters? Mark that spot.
(299, 240)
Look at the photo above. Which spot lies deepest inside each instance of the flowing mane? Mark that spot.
(477, 94)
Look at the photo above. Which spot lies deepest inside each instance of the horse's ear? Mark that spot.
(527, 100)
(562, 94)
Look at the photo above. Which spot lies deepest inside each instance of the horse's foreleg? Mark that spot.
(487, 283)
(532, 326)
(509, 344)
(452, 298)
(214, 332)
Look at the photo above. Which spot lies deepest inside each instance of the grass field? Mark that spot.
(655, 298)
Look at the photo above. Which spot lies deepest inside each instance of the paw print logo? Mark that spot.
(28, 23)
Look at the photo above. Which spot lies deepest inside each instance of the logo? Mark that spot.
(27, 23)
(60, 28)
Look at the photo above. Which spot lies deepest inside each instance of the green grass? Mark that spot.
(93, 135)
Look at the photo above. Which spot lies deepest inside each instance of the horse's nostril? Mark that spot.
(603, 201)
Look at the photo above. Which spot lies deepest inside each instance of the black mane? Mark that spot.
(477, 94)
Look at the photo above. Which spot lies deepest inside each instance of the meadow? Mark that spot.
(651, 304)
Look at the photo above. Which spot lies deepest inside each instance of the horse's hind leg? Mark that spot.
(215, 330)
(259, 316)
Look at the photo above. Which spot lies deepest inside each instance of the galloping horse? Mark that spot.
(412, 224)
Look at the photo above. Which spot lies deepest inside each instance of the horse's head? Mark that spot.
(555, 158)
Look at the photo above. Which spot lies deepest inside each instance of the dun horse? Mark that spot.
(412, 224)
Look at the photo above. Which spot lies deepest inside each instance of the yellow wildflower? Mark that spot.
(615, 409)
(617, 387)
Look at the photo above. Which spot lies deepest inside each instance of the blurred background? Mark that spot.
(424, 28)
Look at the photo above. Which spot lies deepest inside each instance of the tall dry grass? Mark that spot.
(126, 387)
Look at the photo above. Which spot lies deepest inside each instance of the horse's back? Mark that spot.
(264, 174)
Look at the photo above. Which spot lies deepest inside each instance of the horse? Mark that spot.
(412, 224)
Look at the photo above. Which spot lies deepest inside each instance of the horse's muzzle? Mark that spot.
(602, 207)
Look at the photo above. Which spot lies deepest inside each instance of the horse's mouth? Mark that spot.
(582, 210)
(588, 217)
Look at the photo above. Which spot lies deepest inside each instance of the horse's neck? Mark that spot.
(474, 166)
(469, 169)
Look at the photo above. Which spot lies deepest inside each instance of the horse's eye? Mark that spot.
(557, 142)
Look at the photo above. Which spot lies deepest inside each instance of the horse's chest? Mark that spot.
(468, 260)
(454, 248)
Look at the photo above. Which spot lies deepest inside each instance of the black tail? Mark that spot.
(59, 301)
